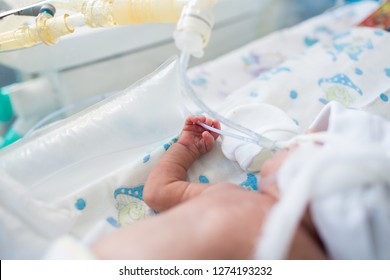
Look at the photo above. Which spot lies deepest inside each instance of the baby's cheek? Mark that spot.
(272, 165)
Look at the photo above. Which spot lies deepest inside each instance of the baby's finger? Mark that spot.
(191, 120)
(202, 118)
(209, 122)
(208, 140)
(207, 136)
(216, 124)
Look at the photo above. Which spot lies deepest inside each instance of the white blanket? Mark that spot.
(345, 182)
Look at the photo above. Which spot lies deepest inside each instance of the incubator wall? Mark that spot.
(97, 62)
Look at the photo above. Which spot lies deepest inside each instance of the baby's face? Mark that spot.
(272, 165)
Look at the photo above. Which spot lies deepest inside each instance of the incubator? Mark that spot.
(72, 60)
(70, 106)
(191, 36)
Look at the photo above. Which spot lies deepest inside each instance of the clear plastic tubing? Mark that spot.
(250, 136)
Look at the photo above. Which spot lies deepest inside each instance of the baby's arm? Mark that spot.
(167, 184)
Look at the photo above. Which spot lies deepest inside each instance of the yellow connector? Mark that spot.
(46, 29)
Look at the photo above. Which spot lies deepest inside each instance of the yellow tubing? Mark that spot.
(140, 11)
(103, 13)
(122, 12)
(68, 5)
(46, 30)
(15, 39)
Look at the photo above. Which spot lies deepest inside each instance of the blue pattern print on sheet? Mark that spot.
(349, 45)
(250, 183)
(169, 144)
(199, 81)
(204, 179)
(130, 204)
(251, 59)
(334, 56)
(358, 71)
(280, 69)
(146, 158)
(136, 192)
(293, 94)
(275, 71)
(384, 97)
(256, 64)
(353, 50)
(342, 79)
(341, 35)
(340, 88)
(310, 41)
(80, 204)
(112, 221)
(323, 101)
(323, 29)
(379, 32)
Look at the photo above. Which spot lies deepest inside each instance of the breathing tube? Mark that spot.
(247, 134)
(191, 36)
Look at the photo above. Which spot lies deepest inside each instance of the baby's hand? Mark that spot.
(196, 138)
